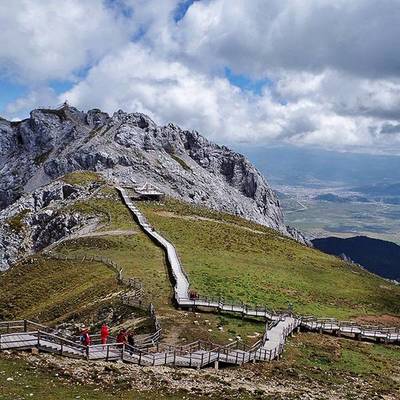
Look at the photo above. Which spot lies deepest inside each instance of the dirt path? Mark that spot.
(115, 232)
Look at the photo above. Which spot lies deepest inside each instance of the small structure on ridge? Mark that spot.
(147, 192)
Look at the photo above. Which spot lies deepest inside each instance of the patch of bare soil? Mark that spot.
(115, 232)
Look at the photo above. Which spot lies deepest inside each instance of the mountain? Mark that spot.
(380, 189)
(126, 149)
(131, 147)
(378, 256)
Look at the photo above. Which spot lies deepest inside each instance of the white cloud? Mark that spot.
(334, 65)
(50, 39)
(260, 37)
(136, 79)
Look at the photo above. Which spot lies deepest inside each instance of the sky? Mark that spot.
(313, 73)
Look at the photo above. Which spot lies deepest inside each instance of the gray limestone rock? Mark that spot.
(38, 219)
(132, 148)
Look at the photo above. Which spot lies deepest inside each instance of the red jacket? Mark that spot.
(105, 331)
(87, 341)
(121, 338)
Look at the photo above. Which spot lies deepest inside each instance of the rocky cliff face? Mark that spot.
(132, 148)
(38, 219)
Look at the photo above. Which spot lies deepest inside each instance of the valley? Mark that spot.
(333, 211)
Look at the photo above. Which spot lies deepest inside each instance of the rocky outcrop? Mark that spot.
(132, 148)
(39, 219)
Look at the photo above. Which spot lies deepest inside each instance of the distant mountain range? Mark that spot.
(380, 189)
(299, 166)
(378, 256)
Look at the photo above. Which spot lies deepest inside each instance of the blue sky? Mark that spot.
(308, 73)
(9, 92)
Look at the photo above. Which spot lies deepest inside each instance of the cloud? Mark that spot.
(259, 37)
(390, 129)
(137, 79)
(327, 73)
(49, 39)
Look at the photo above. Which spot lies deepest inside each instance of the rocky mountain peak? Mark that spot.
(131, 147)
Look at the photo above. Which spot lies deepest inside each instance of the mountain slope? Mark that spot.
(227, 256)
(378, 256)
(131, 147)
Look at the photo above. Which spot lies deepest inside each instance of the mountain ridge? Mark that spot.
(377, 256)
(131, 147)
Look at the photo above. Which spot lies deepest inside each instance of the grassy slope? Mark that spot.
(224, 257)
(140, 258)
(334, 360)
(136, 253)
(287, 271)
(33, 383)
(51, 290)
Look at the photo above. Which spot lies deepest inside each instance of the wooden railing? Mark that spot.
(148, 351)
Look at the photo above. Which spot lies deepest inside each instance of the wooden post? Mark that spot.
(25, 325)
(216, 364)
(201, 364)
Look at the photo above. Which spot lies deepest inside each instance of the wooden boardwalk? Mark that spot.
(390, 335)
(25, 334)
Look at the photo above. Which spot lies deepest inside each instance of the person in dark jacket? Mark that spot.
(131, 342)
(122, 337)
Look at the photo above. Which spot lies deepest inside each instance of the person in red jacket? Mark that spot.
(104, 334)
(85, 337)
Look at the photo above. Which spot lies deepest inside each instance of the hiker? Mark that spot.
(104, 334)
(131, 339)
(131, 342)
(193, 295)
(85, 337)
(121, 338)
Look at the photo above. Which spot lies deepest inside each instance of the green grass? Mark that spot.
(51, 291)
(107, 205)
(16, 222)
(327, 358)
(181, 162)
(136, 254)
(82, 178)
(228, 259)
